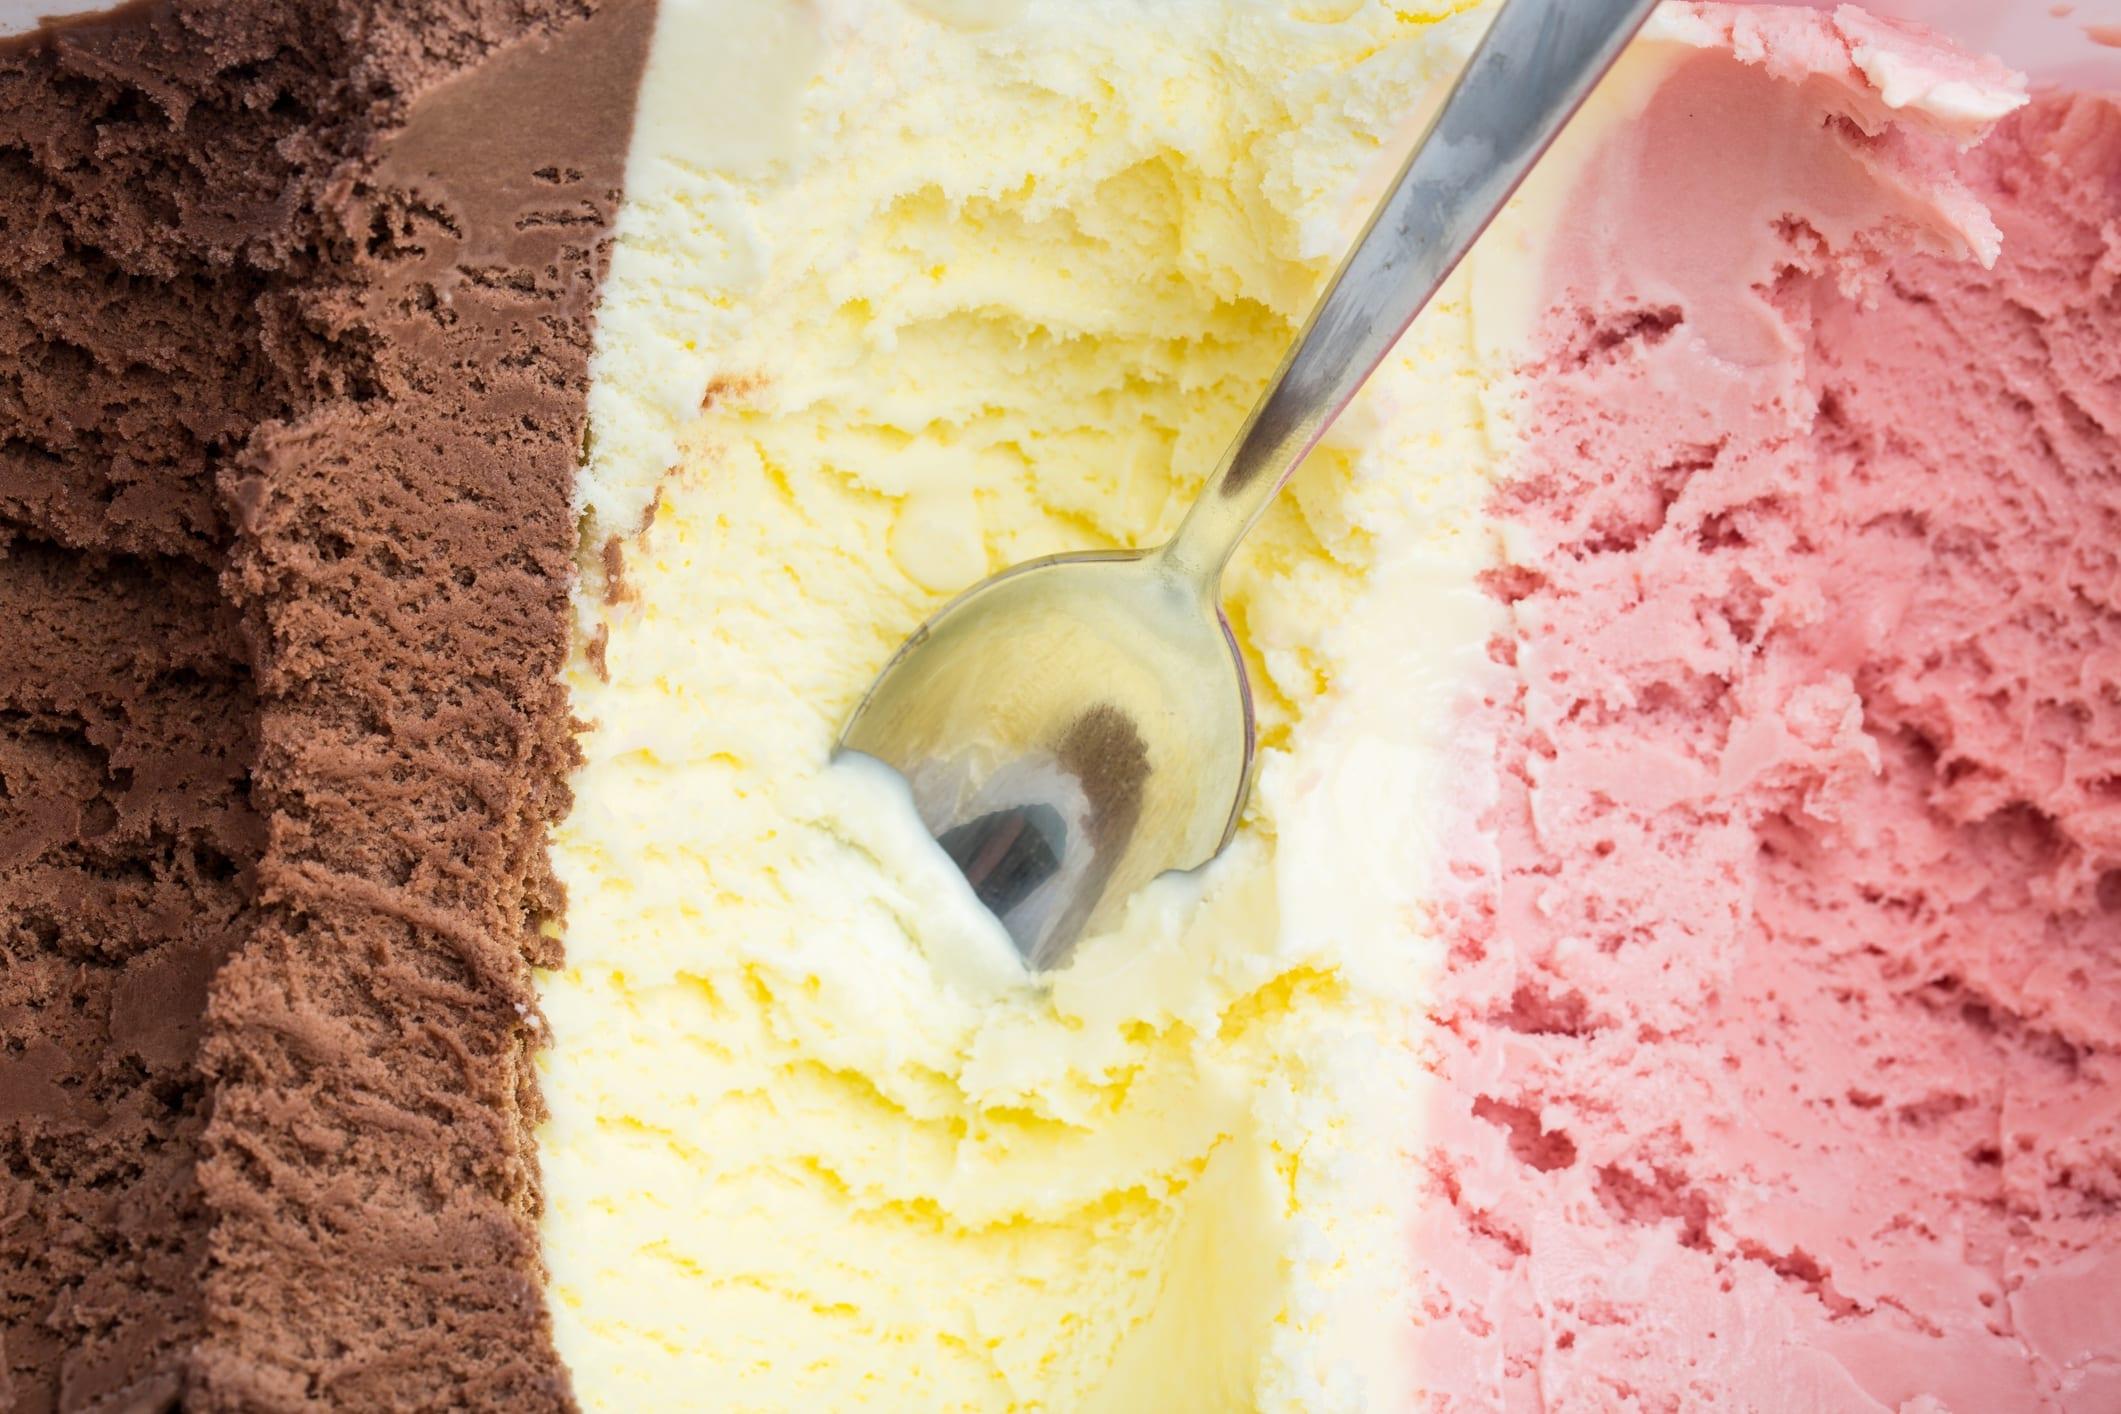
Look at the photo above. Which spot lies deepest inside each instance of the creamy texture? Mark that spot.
(1369, 1114)
(295, 301)
(814, 1134)
(1779, 1064)
(1785, 1070)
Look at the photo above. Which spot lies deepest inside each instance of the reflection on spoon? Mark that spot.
(1040, 835)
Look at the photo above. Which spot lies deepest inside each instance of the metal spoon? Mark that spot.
(1077, 725)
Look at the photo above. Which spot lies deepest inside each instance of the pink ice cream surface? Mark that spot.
(1781, 1044)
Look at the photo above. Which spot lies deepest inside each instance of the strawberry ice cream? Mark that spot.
(1795, 1012)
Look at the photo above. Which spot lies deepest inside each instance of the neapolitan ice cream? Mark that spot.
(1672, 957)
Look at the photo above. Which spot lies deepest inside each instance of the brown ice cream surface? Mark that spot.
(295, 335)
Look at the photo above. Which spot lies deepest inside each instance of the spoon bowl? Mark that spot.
(1070, 729)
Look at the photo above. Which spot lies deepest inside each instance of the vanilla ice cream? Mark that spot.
(821, 1132)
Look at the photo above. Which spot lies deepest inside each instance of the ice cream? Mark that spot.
(295, 324)
(1670, 958)
(887, 1163)
(1794, 1005)
(1589, 650)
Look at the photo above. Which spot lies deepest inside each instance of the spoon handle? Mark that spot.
(1533, 69)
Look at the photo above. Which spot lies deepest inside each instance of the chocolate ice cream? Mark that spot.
(295, 332)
